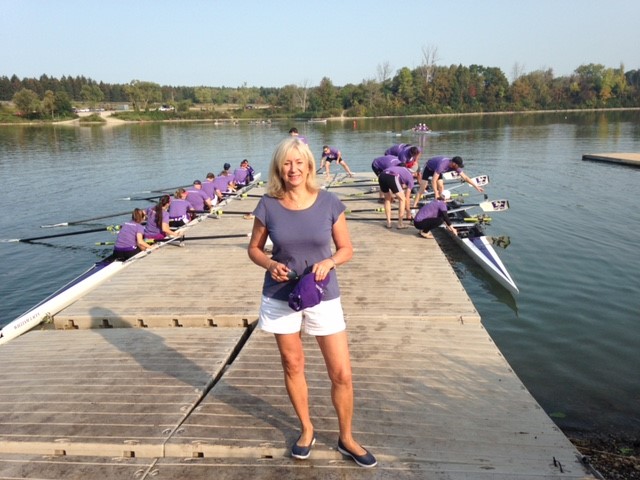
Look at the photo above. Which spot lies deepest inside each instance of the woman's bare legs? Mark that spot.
(335, 350)
(292, 357)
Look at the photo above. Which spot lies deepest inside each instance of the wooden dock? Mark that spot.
(159, 373)
(632, 159)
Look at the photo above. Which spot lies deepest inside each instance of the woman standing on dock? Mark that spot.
(302, 222)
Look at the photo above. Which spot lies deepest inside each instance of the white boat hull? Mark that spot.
(57, 302)
(486, 257)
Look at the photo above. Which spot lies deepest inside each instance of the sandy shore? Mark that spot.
(107, 116)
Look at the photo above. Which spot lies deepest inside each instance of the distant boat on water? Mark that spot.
(317, 120)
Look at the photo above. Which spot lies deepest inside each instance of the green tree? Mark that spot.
(496, 88)
(403, 86)
(142, 94)
(203, 95)
(326, 96)
(27, 103)
(589, 84)
(92, 95)
(287, 98)
(63, 103)
(184, 106)
(49, 103)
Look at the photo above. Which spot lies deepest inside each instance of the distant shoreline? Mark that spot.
(112, 121)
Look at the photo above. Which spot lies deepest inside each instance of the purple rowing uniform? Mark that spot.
(240, 175)
(126, 240)
(431, 215)
(403, 173)
(197, 199)
(396, 149)
(178, 209)
(432, 209)
(222, 182)
(380, 164)
(208, 187)
(405, 155)
(333, 154)
(440, 165)
(151, 229)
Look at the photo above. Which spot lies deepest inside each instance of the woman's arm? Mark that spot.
(471, 182)
(256, 253)
(142, 245)
(168, 232)
(343, 253)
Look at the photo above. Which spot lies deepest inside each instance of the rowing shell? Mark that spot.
(59, 300)
(472, 240)
(72, 291)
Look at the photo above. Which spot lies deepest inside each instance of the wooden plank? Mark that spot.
(422, 409)
(118, 392)
(55, 467)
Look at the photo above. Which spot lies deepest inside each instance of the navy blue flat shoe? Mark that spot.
(367, 460)
(302, 452)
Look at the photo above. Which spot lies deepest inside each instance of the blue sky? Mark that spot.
(273, 43)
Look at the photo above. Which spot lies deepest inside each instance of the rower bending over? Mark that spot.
(330, 154)
(434, 169)
(432, 215)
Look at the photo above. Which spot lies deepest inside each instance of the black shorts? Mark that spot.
(389, 182)
(427, 173)
(428, 223)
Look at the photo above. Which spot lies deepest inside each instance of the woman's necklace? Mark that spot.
(296, 203)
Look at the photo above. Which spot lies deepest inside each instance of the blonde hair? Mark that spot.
(276, 185)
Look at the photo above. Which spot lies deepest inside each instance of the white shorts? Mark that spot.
(326, 318)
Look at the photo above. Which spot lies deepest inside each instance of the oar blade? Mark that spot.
(494, 205)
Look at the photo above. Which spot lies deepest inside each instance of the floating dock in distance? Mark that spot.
(632, 159)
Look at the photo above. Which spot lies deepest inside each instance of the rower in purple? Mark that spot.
(432, 215)
(434, 168)
(197, 198)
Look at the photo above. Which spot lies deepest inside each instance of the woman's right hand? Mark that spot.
(279, 272)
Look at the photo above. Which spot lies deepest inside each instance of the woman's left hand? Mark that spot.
(322, 269)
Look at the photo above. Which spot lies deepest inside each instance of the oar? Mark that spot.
(170, 189)
(488, 206)
(377, 209)
(373, 189)
(139, 199)
(147, 240)
(76, 222)
(216, 237)
(341, 185)
(451, 176)
(229, 212)
(480, 180)
(111, 228)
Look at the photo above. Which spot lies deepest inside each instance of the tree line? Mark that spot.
(427, 89)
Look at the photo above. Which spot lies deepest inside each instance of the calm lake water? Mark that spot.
(573, 333)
